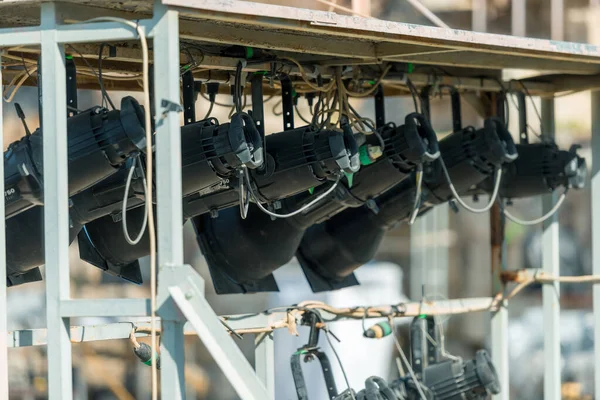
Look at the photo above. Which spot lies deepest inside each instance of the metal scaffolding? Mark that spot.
(181, 303)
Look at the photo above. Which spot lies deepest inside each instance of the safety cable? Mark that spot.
(129, 240)
(541, 219)
(407, 363)
(416, 204)
(461, 202)
(293, 213)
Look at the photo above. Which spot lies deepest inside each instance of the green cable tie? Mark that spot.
(411, 68)
(249, 52)
(69, 57)
(311, 190)
(349, 178)
(422, 316)
(372, 82)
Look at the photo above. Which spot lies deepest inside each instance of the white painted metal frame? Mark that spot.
(51, 35)
(180, 293)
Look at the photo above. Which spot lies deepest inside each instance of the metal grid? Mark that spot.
(180, 290)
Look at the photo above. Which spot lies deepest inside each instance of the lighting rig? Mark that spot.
(325, 192)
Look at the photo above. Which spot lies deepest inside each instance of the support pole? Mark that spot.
(479, 16)
(595, 178)
(264, 353)
(3, 302)
(170, 229)
(557, 20)
(500, 317)
(499, 334)
(551, 292)
(56, 201)
(518, 17)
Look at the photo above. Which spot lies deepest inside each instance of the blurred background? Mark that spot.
(109, 370)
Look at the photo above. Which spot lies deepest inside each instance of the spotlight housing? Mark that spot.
(299, 156)
(243, 253)
(540, 169)
(329, 252)
(99, 142)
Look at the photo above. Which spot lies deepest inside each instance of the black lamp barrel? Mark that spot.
(353, 236)
(99, 142)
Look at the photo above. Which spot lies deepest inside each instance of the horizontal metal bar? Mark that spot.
(122, 330)
(27, 36)
(105, 308)
(85, 333)
(101, 31)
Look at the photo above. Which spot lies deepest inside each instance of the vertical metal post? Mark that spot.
(3, 303)
(557, 20)
(170, 228)
(479, 16)
(518, 17)
(551, 292)
(595, 178)
(429, 263)
(361, 7)
(500, 317)
(499, 323)
(264, 353)
(56, 200)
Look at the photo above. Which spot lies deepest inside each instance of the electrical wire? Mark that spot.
(461, 202)
(291, 214)
(407, 363)
(335, 353)
(372, 89)
(23, 77)
(25, 67)
(300, 115)
(149, 174)
(106, 97)
(413, 92)
(541, 219)
(87, 63)
(317, 88)
(210, 109)
(129, 240)
(416, 206)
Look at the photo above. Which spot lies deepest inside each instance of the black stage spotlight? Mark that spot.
(243, 253)
(540, 169)
(444, 378)
(329, 252)
(99, 142)
(210, 153)
(297, 160)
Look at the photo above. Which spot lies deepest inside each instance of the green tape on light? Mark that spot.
(363, 155)
(149, 362)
